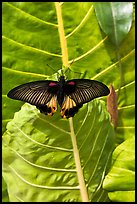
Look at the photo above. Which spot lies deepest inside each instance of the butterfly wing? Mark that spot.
(69, 108)
(80, 91)
(85, 90)
(42, 94)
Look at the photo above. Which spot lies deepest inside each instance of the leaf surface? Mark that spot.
(38, 156)
(116, 21)
(120, 181)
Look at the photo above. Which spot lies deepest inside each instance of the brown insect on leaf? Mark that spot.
(112, 106)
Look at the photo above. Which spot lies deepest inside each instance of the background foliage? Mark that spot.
(30, 42)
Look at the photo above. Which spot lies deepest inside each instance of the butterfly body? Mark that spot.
(70, 95)
(61, 92)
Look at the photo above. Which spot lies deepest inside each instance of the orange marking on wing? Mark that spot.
(68, 103)
(52, 104)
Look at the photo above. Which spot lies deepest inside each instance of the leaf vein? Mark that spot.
(126, 107)
(41, 186)
(44, 120)
(30, 15)
(100, 156)
(30, 48)
(22, 72)
(89, 51)
(81, 23)
(42, 167)
(114, 64)
(38, 143)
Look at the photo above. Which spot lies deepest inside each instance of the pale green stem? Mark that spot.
(63, 42)
(82, 185)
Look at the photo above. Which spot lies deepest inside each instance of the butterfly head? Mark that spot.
(61, 74)
(62, 79)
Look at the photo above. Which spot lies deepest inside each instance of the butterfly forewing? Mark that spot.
(85, 90)
(37, 93)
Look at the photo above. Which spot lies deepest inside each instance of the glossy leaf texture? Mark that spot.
(120, 181)
(115, 19)
(31, 41)
(38, 156)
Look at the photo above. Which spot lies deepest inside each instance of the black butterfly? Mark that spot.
(71, 95)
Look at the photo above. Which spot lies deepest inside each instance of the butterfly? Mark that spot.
(70, 95)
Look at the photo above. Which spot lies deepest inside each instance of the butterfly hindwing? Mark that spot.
(69, 108)
(50, 108)
(85, 90)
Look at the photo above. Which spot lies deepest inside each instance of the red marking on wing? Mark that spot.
(52, 84)
(71, 83)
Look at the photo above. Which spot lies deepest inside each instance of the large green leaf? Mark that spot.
(116, 21)
(31, 41)
(120, 181)
(38, 155)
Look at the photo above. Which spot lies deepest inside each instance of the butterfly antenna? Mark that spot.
(72, 62)
(52, 68)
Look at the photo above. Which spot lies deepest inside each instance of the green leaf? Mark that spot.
(115, 19)
(120, 181)
(5, 197)
(38, 155)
